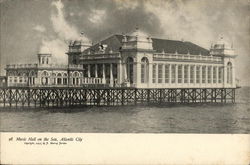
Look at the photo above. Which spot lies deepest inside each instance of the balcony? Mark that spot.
(187, 57)
(100, 56)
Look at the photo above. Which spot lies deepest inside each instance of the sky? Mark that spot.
(28, 26)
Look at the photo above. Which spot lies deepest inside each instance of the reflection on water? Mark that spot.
(230, 118)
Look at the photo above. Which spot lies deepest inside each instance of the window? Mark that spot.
(10, 79)
(203, 74)
(144, 70)
(220, 74)
(192, 74)
(209, 74)
(154, 73)
(179, 73)
(15, 79)
(198, 70)
(214, 75)
(130, 70)
(229, 73)
(167, 73)
(160, 73)
(186, 74)
(20, 79)
(173, 70)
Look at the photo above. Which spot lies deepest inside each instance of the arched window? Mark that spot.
(31, 79)
(53, 78)
(65, 79)
(59, 78)
(129, 67)
(229, 73)
(144, 70)
(76, 76)
(45, 78)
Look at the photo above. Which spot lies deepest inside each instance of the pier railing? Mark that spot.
(73, 96)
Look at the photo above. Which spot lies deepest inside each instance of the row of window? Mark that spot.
(180, 74)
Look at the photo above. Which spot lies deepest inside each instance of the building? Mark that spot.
(132, 60)
(43, 73)
(137, 60)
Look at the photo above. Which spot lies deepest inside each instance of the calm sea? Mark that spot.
(205, 118)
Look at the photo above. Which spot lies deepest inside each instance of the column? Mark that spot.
(195, 74)
(156, 73)
(182, 74)
(206, 75)
(163, 73)
(176, 74)
(170, 73)
(150, 76)
(233, 76)
(225, 76)
(111, 75)
(138, 73)
(96, 74)
(125, 71)
(103, 74)
(201, 74)
(217, 75)
(88, 70)
(212, 74)
(119, 72)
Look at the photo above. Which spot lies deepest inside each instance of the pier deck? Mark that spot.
(77, 96)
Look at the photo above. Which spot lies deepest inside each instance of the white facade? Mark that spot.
(138, 64)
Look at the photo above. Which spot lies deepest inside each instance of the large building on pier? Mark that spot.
(137, 60)
(133, 60)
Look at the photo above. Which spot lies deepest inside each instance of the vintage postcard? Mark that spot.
(124, 82)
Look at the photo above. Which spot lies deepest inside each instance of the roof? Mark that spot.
(114, 43)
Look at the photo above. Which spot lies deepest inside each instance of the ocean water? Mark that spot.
(196, 118)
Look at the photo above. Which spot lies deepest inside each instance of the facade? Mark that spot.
(132, 60)
(137, 60)
(43, 73)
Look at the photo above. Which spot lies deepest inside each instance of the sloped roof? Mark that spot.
(114, 43)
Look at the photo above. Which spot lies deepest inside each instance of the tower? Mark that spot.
(226, 51)
(76, 47)
(44, 56)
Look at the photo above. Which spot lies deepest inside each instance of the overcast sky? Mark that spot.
(29, 25)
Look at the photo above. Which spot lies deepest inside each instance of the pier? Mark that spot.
(91, 96)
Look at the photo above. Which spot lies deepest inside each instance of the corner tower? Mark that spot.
(226, 51)
(76, 47)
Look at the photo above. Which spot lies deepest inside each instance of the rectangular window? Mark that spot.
(179, 73)
(15, 79)
(186, 74)
(20, 79)
(160, 73)
(173, 75)
(214, 75)
(203, 74)
(209, 74)
(220, 74)
(192, 74)
(154, 73)
(10, 79)
(198, 70)
(167, 73)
